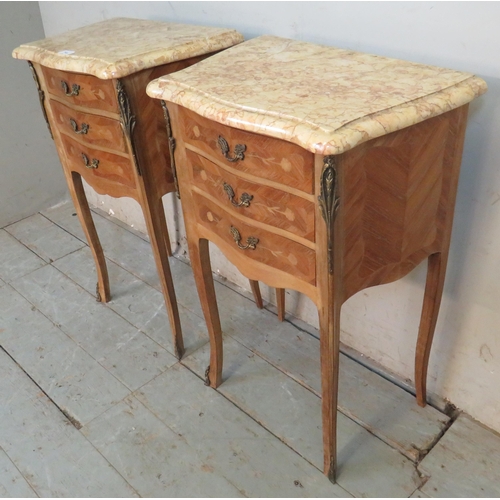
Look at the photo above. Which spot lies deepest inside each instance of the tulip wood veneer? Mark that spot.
(327, 226)
(111, 134)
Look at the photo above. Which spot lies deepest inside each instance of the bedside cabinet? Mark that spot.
(322, 170)
(92, 88)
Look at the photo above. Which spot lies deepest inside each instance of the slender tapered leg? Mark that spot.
(155, 222)
(434, 284)
(280, 303)
(329, 323)
(254, 285)
(202, 270)
(83, 211)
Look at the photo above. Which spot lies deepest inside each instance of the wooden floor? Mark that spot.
(94, 404)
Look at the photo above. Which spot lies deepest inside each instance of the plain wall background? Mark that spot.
(382, 322)
(31, 177)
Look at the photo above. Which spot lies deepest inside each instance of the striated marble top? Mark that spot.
(119, 47)
(324, 99)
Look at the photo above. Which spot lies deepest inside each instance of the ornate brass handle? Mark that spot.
(251, 240)
(93, 164)
(75, 89)
(83, 130)
(239, 150)
(245, 198)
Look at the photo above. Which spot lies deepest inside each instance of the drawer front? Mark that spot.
(265, 157)
(92, 129)
(271, 249)
(81, 90)
(265, 204)
(105, 172)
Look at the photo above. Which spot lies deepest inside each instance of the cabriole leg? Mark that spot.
(83, 211)
(432, 300)
(200, 262)
(157, 230)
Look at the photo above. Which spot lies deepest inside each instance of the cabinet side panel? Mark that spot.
(394, 188)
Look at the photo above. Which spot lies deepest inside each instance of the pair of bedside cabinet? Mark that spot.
(312, 168)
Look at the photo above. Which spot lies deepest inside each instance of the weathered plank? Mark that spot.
(230, 442)
(419, 494)
(65, 217)
(464, 463)
(384, 409)
(136, 301)
(44, 238)
(154, 459)
(48, 451)
(12, 483)
(127, 353)
(75, 381)
(16, 259)
(367, 466)
(132, 253)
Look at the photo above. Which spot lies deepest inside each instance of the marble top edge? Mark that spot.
(365, 102)
(123, 48)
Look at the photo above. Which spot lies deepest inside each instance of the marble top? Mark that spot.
(119, 47)
(324, 99)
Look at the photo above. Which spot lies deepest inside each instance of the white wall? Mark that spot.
(382, 322)
(31, 177)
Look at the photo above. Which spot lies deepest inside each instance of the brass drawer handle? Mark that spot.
(75, 89)
(251, 240)
(245, 198)
(83, 130)
(239, 150)
(93, 164)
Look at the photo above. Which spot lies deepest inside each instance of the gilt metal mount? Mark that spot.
(251, 240)
(329, 202)
(75, 89)
(41, 97)
(239, 150)
(171, 145)
(245, 198)
(128, 120)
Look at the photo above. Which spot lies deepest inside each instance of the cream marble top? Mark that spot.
(119, 47)
(324, 99)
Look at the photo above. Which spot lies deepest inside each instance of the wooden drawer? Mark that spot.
(100, 131)
(91, 93)
(265, 157)
(271, 249)
(267, 205)
(114, 174)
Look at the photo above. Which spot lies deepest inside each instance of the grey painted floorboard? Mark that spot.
(367, 466)
(464, 463)
(138, 302)
(153, 458)
(230, 442)
(50, 453)
(12, 483)
(130, 355)
(75, 381)
(386, 410)
(419, 494)
(133, 254)
(65, 217)
(43, 237)
(16, 260)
